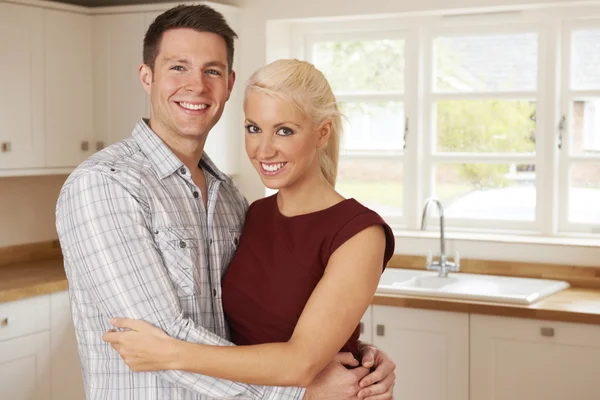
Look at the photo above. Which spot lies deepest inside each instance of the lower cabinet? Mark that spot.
(430, 349)
(38, 350)
(521, 359)
(25, 367)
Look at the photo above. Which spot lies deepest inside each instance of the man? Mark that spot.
(149, 225)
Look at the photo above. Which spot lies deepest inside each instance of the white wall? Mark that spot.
(27, 209)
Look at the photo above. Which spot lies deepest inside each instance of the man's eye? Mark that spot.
(213, 72)
(177, 68)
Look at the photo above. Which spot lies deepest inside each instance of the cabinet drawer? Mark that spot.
(23, 317)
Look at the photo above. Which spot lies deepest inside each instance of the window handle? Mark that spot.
(561, 130)
(405, 133)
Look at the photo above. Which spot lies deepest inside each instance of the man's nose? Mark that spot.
(196, 83)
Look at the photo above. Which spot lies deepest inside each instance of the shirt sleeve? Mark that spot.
(359, 223)
(110, 252)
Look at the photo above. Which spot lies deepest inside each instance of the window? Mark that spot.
(481, 146)
(367, 77)
(580, 134)
(497, 114)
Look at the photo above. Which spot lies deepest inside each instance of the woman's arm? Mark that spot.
(327, 321)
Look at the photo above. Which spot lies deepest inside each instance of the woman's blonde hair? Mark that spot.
(305, 87)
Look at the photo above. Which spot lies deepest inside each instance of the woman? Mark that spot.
(308, 261)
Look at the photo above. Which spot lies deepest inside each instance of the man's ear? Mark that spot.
(230, 83)
(324, 132)
(146, 77)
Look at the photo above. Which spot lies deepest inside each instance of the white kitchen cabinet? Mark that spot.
(38, 350)
(66, 378)
(521, 359)
(68, 86)
(119, 98)
(430, 349)
(366, 326)
(24, 367)
(22, 140)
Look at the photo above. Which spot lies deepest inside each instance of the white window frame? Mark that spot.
(569, 96)
(432, 157)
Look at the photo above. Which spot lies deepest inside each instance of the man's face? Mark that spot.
(190, 84)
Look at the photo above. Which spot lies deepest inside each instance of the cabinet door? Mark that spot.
(68, 88)
(430, 349)
(520, 359)
(21, 86)
(66, 378)
(119, 98)
(24, 372)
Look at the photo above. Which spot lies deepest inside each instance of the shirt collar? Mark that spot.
(163, 159)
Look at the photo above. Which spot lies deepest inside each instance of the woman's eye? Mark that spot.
(252, 129)
(285, 132)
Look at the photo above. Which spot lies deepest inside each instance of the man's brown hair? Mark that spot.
(200, 18)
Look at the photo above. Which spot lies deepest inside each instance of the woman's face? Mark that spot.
(281, 142)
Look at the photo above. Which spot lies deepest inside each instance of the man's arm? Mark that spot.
(111, 253)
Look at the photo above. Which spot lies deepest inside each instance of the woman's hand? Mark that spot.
(143, 347)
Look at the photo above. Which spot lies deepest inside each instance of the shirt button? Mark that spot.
(183, 171)
(215, 292)
(209, 241)
(182, 244)
(236, 241)
(196, 194)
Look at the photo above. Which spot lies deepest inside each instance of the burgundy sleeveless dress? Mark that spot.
(279, 262)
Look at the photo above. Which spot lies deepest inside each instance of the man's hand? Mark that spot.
(378, 385)
(335, 381)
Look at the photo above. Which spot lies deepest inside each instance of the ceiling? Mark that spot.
(102, 3)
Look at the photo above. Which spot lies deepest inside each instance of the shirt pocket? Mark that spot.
(230, 242)
(179, 247)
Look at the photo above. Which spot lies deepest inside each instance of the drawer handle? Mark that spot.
(547, 331)
(380, 330)
(362, 328)
(3, 322)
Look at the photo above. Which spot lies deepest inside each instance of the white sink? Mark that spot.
(468, 286)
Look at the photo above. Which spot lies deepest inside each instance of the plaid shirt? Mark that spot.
(138, 243)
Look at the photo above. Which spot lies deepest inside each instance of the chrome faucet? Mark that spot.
(443, 265)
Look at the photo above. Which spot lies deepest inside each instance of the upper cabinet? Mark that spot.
(120, 99)
(70, 85)
(22, 139)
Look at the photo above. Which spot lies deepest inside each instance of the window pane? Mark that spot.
(373, 125)
(585, 53)
(362, 66)
(487, 191)
(486, 63)
(485, 126)
(584, 193)
(374, 181)
(586, 127)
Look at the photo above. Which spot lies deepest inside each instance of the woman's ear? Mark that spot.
(324, 132)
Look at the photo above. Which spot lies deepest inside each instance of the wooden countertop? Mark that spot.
(18, 281)
(580, 305)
